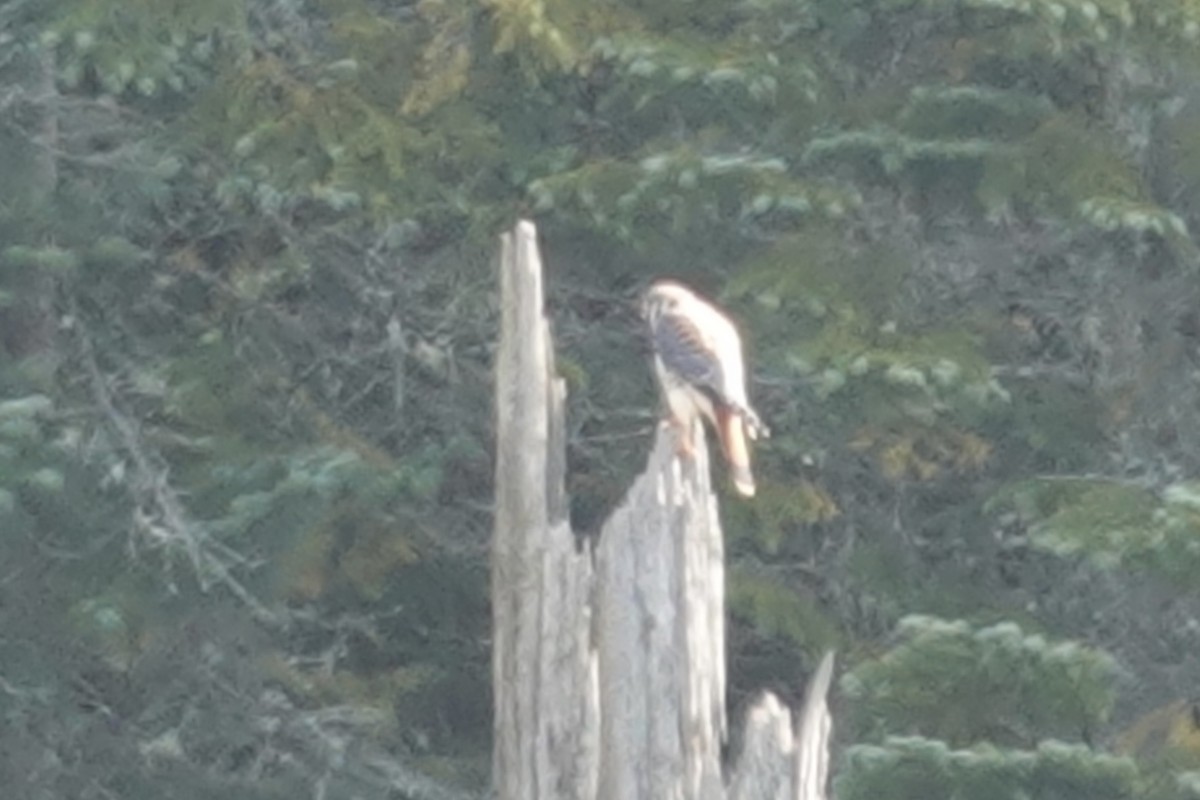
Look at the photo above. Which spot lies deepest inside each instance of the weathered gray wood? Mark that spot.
(609, 668)
(543, 668)
(764, 769)
(812, 735)
(661, 633)
(782, 762)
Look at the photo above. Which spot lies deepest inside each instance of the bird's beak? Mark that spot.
(638, 299)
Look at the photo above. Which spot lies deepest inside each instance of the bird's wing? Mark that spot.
(685, 349)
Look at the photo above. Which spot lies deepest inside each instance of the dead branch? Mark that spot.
(158, 512)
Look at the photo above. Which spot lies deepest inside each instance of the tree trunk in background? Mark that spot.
(28, 326)
(609, 661)
(45, 162)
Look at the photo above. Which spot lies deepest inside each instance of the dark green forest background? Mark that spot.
(248, 306)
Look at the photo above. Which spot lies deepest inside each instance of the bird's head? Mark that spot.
(662, 296)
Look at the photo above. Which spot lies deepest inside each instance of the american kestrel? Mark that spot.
(698, 362)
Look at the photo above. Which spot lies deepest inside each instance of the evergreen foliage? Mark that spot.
(916, 767)
(247, 310)
(1115, 524)
(964, 685)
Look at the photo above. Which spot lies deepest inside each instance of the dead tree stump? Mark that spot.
(608, 662)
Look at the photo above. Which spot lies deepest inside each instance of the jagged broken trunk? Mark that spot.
(609, 661)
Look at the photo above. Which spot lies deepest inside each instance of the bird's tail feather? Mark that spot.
(743, 481)
(732, 427)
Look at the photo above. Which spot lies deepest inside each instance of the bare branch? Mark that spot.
(398, 350)
(159, 514)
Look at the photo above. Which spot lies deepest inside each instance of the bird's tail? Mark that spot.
(731, 427)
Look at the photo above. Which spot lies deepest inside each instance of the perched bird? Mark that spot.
(698, 362)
